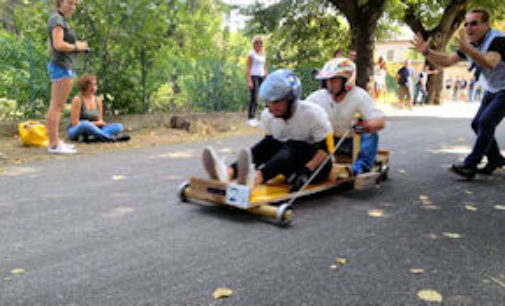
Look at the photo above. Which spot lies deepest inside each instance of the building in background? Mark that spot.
(395, 51)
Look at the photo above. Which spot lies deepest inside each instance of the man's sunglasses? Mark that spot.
(472, 23)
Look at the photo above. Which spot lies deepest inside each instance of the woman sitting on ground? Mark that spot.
(87, 115)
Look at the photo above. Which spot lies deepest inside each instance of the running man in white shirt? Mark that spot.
(342, 100)
(294, 144)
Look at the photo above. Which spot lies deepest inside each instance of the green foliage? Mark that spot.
(148, 55)
(9, 109)
(23, 73)
(302, 35)
(213, 82)
(174, 55)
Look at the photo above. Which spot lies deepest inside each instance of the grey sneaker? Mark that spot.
(215, 167)
(245, 168)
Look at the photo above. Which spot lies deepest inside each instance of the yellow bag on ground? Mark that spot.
(33, 133)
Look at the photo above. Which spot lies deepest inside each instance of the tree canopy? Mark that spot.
(170, 55)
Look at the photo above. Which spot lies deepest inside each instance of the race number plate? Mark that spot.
(238, 195)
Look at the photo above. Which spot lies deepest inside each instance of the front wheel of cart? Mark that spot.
(285, 214)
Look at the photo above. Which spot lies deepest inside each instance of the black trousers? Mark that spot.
(273, 157)
(253, 103)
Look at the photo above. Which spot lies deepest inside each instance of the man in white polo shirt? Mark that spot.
(342, 100)
(294, 144)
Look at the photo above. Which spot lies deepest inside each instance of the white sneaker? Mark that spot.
(68, 145)
(215, 167)
(252, 122)
(61, 149)
(245, 168)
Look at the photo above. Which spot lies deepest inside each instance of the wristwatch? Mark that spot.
(76, 49)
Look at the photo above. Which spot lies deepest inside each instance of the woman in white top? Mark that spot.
(380, 78)
(256, 72)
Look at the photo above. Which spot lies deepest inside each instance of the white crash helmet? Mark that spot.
(340, 67)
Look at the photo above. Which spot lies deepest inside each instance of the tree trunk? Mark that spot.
(452, 17)
(363, 41)
(435, 87)
(363, 17)
(435, 84)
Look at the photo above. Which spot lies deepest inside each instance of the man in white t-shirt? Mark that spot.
(342, 100)
(294, 144)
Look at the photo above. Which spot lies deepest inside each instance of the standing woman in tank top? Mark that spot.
(64, 48)
(256, 72)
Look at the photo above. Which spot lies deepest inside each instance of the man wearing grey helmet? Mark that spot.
(294, 144)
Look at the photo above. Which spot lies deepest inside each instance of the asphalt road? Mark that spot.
(108, 230)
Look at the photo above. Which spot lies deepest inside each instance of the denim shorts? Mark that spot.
(57, 73)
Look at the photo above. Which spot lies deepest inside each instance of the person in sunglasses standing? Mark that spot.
(484, 47)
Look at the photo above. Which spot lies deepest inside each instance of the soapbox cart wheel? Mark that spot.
(181, 191)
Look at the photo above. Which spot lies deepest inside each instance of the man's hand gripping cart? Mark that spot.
(274, 199)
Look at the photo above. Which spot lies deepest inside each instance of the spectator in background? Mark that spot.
(352, 55)
(403, 77)
(64, 48)
(462, 89)
(478, 91)
(87, 116)
(471, 90)
(337, 53)
(379, 77)
(256, 72)
(421, 82)
(448, 86)
(455, 89)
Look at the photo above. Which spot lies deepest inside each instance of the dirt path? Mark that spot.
(203, 127)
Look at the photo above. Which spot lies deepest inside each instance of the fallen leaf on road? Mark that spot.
(417, 271)
(222, 293)
(402, 171)
(471, 208)
(429, 295)
(461, 139)
(452, 235)
(376, 213)
(18, 271)
(432, 236)
(425, 200)
(430, 207)
(334, 267)
(497, 281)
(468, 191)
(117, 177)
(499, 207)
(341, 261)
(118, 212)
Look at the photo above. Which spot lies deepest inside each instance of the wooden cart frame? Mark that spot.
(272, 200)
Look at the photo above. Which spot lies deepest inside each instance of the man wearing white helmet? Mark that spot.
(294, 144)
(342, 100)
